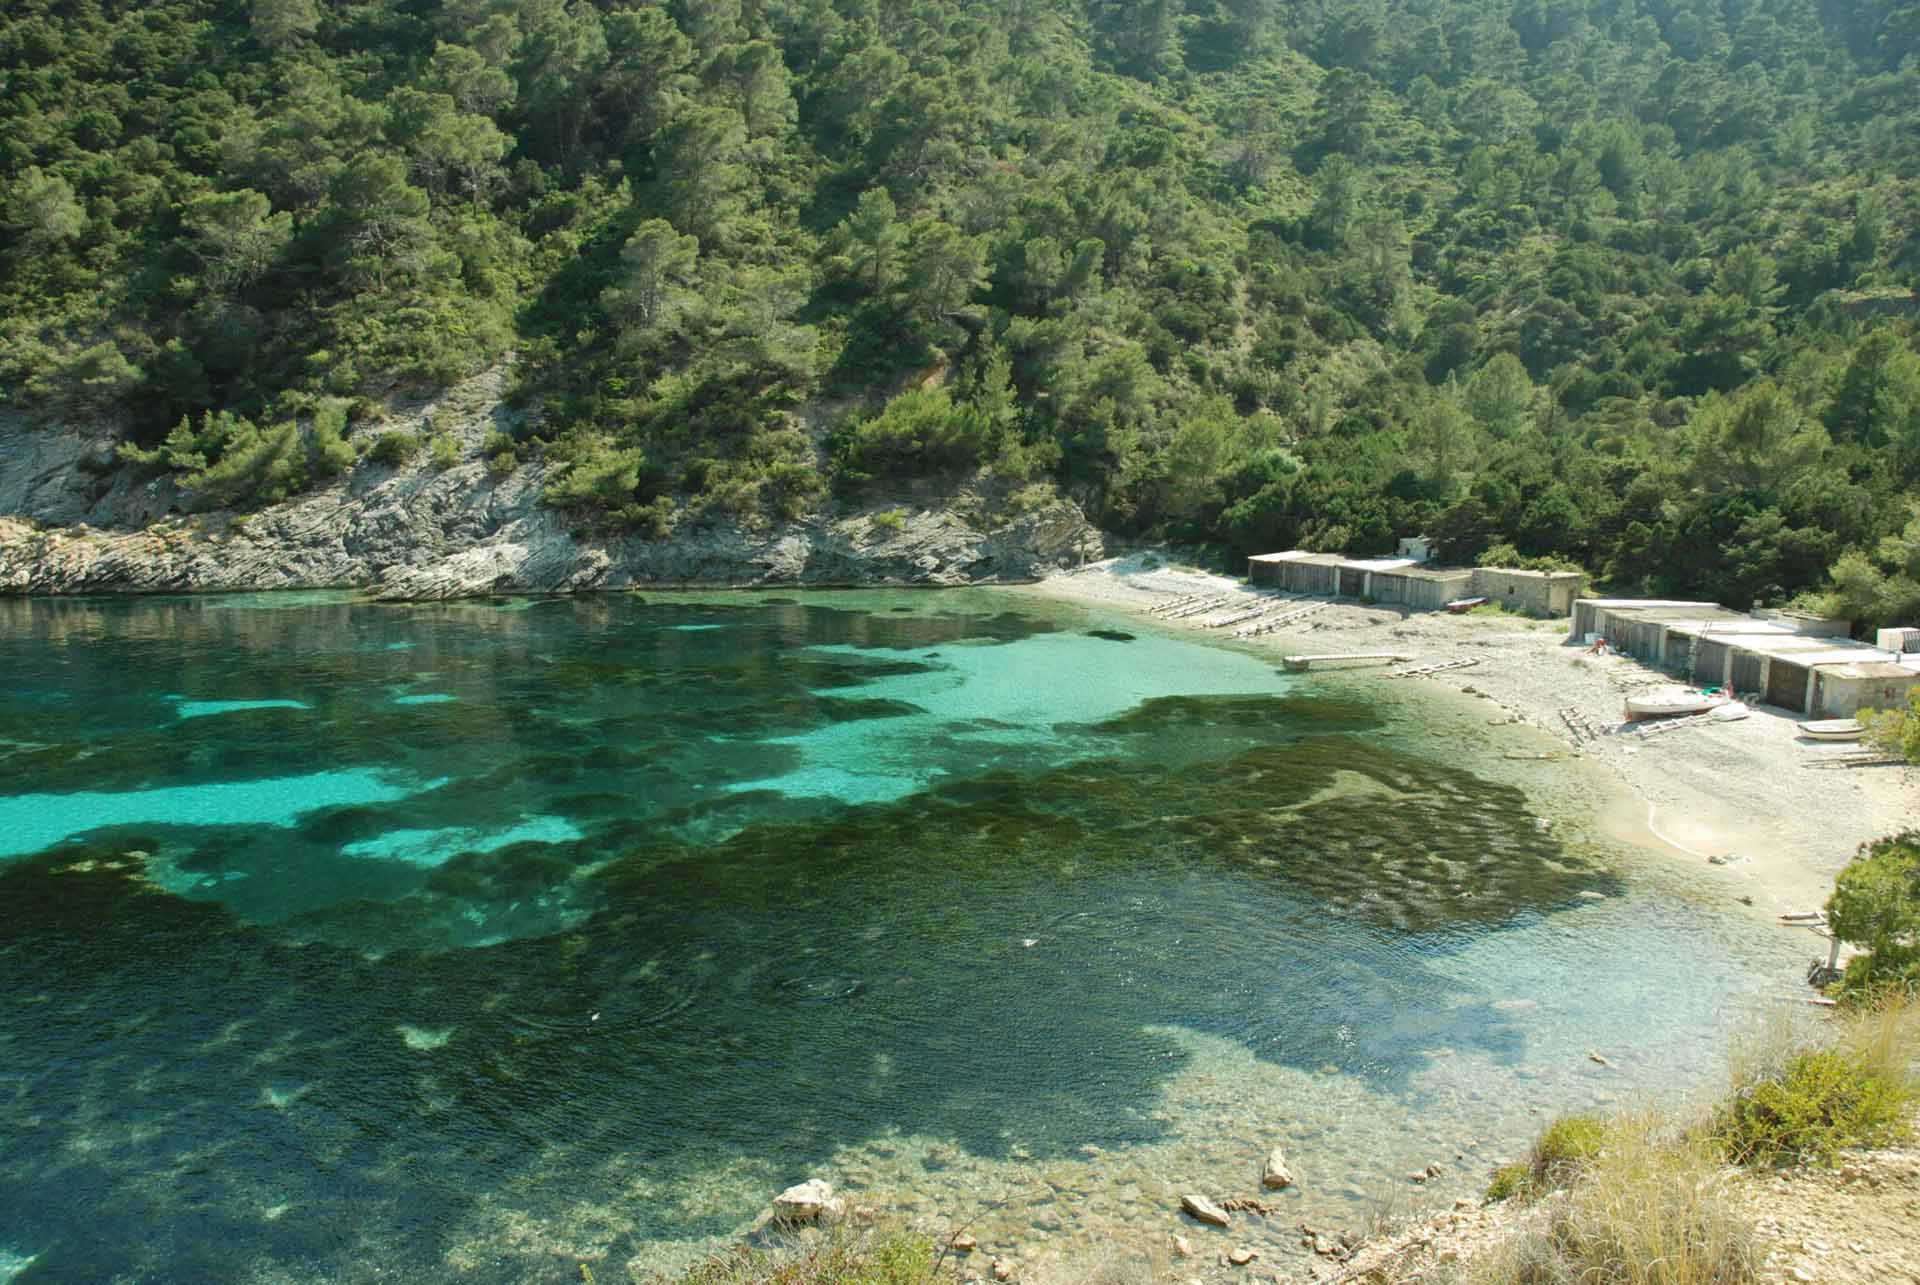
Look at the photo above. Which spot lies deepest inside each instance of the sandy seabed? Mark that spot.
(1778, 810)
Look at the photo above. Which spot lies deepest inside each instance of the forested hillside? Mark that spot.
(1624, 282)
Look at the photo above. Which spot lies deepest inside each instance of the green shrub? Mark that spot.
(888, 521)
(332, 453)
(501, 463)
(1876, 906)
(446, 451)
(1822, 1102)
(1506, 556)
(917, 433)
(653, 519)
(793, 487)
(1568, 1146)
(598, 477)
(394, 447)
(1510, 1181)
(1896, 730)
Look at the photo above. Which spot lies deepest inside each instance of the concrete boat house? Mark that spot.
(1406, 581)
(1786, 659)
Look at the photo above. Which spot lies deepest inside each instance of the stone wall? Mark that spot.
(1537, 593)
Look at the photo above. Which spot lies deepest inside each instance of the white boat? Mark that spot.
(1672, 704)
(1833, 729)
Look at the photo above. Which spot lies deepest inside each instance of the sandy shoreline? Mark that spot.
(1752, 791)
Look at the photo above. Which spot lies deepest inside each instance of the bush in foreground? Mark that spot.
(1821, 1103)
(1649, 1207)
(1645, 1199)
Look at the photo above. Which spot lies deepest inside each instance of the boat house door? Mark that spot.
(1787, 686)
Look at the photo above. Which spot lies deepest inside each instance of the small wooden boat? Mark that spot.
(1461, 606)
(1833, 729)
(1672, 704)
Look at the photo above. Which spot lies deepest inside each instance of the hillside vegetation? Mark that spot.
(1621, 282)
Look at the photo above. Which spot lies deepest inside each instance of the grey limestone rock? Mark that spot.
(71, 522)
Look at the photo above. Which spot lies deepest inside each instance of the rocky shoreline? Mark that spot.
(73, 522)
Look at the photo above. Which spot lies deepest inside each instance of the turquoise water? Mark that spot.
(480, 940)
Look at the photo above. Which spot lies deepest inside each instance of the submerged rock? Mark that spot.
(1205, 1210)
(807, 1202)
(1276, 1176)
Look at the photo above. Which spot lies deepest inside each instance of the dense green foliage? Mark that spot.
(1876, 906)
(1626, 282)
(1823, 1102)
(1896, 730)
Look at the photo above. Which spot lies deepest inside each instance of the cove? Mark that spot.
(950, 899)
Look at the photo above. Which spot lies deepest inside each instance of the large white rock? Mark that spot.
(807, 1202)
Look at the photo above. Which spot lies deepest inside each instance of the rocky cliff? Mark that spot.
(72, 522)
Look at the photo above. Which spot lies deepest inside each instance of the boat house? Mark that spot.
(1786, 659)
(1407, 582)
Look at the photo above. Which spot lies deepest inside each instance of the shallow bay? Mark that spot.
(481, 938)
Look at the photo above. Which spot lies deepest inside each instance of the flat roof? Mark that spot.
(1869, 669)
(1534, 575)
(1423, 572)
(1828, 655)
(1301, 555)
(1617, 603)
(1717, 618)
(1337, 560)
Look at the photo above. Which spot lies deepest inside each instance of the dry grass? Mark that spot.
(1645, 1199)
(1886, 1039)
(1650, 1207)
(838, 1254)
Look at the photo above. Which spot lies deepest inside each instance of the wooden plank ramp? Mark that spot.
(1281, 621)
(1175, 604)
(1200, 608)
(1378, 657)
(1672, 724)
(1437, 667)
(1579, 726)
(1241, 617)
(1865, 758)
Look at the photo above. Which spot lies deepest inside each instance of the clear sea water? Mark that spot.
(479, 940)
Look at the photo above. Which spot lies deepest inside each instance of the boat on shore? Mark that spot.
(1461, 606)
(1833, 729)
(1673, 704)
